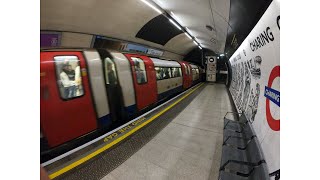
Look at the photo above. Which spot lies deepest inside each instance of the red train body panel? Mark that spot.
(63, 120)
(146, 91)
(187, 76)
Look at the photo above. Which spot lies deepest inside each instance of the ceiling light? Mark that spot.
(197, 40)
(175, 24)
(200, 47)
(195, 43)
(188, 36)
(221, 54)
(152, 6)
(174, 16)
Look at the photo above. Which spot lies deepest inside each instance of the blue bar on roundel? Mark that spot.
(272, 94)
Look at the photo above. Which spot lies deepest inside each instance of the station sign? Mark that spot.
(274, 96)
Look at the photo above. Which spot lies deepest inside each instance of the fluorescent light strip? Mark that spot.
(152, 6)
(175, 17)
(195, 43)
(188, 35)
(200, 47)
(175, 24)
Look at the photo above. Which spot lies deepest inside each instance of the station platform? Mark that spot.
(182, 139)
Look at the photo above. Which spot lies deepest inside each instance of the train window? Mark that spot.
(197, 73)
(69, 76)
(140, 70)
(189, 71)
(166, 73)
(176, 72)
(159, 73)
(110, 72)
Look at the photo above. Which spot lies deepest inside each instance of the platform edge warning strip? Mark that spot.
(116, 141)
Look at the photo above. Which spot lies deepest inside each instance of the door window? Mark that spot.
(140, 70)
(68, 76)
(110, 72)
(189, 70)
(185, 69)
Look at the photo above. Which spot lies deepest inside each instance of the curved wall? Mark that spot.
(255, 85)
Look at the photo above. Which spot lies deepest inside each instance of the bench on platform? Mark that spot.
(241, 157)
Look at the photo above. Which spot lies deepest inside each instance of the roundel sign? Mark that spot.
(272, 95)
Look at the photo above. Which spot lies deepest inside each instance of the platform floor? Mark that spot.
(187, 148)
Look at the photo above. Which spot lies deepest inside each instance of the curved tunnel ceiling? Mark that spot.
(124, 19)
(121, 19)
(244, 15)
(158, 30)
(197, 14)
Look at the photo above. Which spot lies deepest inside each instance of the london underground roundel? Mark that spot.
(272, 95)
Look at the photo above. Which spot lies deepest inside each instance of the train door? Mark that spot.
(98, 87)
(144, 78)
(66, 106)
(113, 87)
(184, 75)
(190, 80)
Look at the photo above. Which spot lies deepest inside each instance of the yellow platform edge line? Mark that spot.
(107, 146)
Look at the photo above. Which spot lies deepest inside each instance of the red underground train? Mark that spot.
(85, 93)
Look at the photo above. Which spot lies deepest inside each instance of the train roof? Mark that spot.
(165, 63)
(194, 66)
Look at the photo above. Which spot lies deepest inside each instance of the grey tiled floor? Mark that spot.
(188, 148)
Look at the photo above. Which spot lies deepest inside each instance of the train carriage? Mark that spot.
(67, 110)
(82, 102)
(169, 77)
(85, 93)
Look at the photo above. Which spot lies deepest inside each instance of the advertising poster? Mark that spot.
(211, 68)
(50, 39)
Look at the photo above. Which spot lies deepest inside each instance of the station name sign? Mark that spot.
(264, 37)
